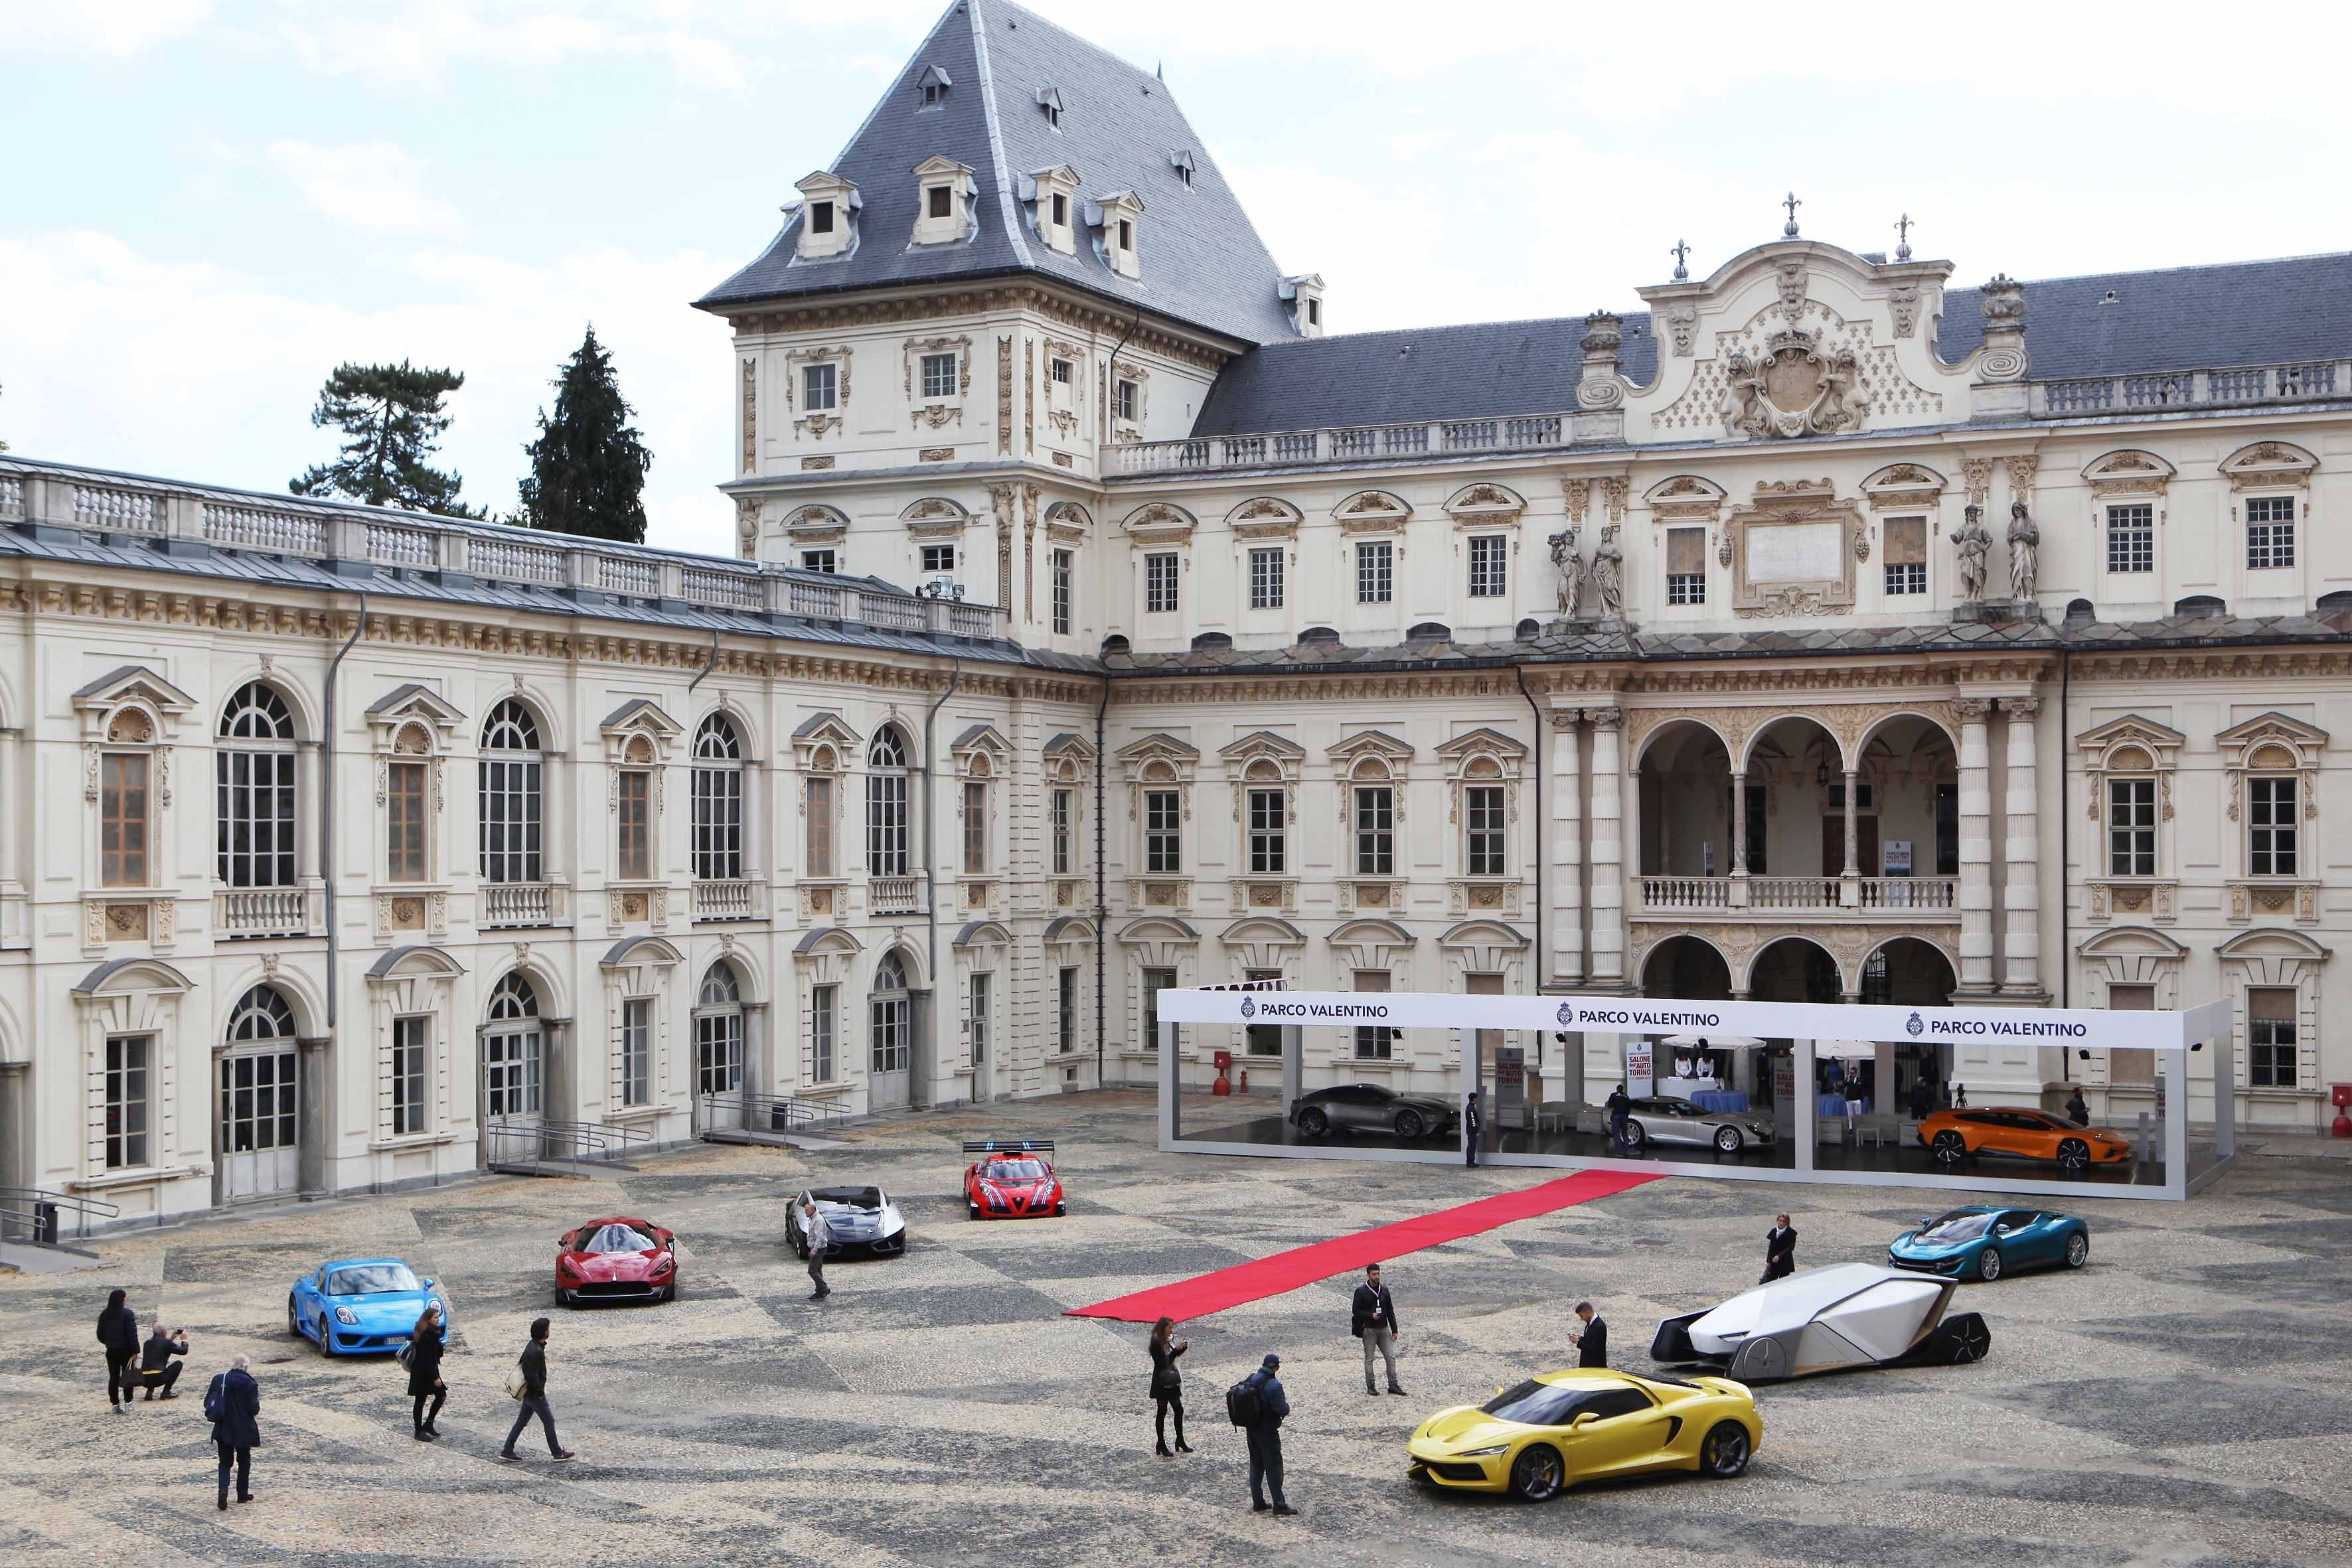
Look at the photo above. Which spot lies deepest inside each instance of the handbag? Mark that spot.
(402, 1355)
(518, 1385)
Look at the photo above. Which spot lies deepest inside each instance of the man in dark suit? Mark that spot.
(1620, 1105)
(1472, 1125)
(1374, 1321)
(1592, 1340)
(1780, 1250)
(234, 1405)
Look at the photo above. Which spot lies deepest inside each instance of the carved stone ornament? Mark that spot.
(2024, 551)
(1970, 546)
(1903, 487)
(1682, 328)
(1571, 570)
(1004, 394)
(1792, 550)
(1903, 304)
(2003, 358)
(746, 527)
(1792, 283)
(1608, 574)
(2270, 465)
(1976, 479)
(2127, 474)
(1794, 390)
(1685, 497)
(750, 416)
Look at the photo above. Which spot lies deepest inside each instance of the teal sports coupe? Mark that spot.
(1985, 1242)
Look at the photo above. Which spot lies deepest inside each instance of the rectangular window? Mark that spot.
(2270, 532)
(975, 828)
(1061, 212)
(1059, 369)
(1373, 1041)
(2131, 827)
(254, 813)
(1065, 803)
(405, 832)
(1757, 816)
(817, 561)
(1906, 555)
(1065, 1011)
(980, 999)
(2270, 1029)
(1155, 980)
(632, 812)
(818, 385)
(820, 828)
(823, 1018)
(938, 558)
(1488, 576)
(126, 1100)
(412, 1039)
(1265, 579)
(122, 820)
(1163, 831)
(1268, 849)
(1375, 830)
(1685, 566)
(1481, 813)
(1314, 312)
(1128, 401)
(718, 824)
(2271, 826)
(1159, 583)
(1064, 595)
(1375, 574)
(942, 202)
(939, 375)
(637, 1051)
(2131, 539)
(1126, 234)
(820, 217)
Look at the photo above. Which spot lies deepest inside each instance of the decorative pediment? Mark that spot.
(2127, 473)
(2158, 743)
(631, 952)
(979, 739)
(935, 516)
(1161, 524)
(640, 716)
(816, 525)
(1263, 517)
(1485, 503)
(827, 734)
(1262, 743)
(410, 703)
(1066, 520)
(2270, 465)
(1158, 929)
(2292, 743)
(1070, 746)
(1459, 751)
(1905, 487)
(1370, 743)
(1178, 757)
(2271, 943)
(1371, 511)
(131, 686)
(1685, 497)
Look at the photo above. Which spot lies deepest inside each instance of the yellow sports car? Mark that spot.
(1536, 1439)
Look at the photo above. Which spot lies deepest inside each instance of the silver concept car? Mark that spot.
(1664, 1119)
(1827, 1319)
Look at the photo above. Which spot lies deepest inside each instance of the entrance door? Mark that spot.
(1866, 846)
(257, 1152)
(1263, 1039)
(514, 1069)
(718, 1048)
(890, 1037)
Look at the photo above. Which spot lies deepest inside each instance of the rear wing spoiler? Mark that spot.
(1009, 1146)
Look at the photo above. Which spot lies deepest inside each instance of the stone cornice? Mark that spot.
(1067, 308)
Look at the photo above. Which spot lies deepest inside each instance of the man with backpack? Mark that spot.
(232, 1405)
(1257, 1406)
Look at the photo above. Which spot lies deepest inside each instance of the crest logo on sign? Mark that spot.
(1566, 1014)
(1249, 1009)
(1914, 1026)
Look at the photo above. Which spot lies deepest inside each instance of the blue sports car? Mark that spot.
(1985, 1242)
(361, 1306)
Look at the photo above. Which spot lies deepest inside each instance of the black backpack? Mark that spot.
(215, 1400)
(1241, 1402)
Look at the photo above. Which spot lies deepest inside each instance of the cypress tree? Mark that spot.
(588, 466)
(392, 417)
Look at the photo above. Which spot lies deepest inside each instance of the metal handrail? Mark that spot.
(774, 1112)
(563, 1140)
(24, 1206)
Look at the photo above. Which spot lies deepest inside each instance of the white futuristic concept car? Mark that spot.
(1827, 1319)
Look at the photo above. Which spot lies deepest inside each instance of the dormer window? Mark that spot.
(945, 216)
(1117, 220)
(828, 216)
(1314, 312)
(1304, 294)
(935, 85)
(1181, 161)
(1050, 192)
(940, 202)
(1126, 235)
(1061, 218)
(1049, 104)
(820, 217)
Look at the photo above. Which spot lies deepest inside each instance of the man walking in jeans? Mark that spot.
(534, 1396)
(820, 1239)
(1265, 1435)
(1375, 1322)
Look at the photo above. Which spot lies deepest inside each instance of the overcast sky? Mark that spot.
(209, 204)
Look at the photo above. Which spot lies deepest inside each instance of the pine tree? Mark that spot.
(392, 416)
(588, 466)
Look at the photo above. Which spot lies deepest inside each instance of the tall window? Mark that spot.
(2270, 1028)
(257, 1081)
(1375, 830)
(825, 1017)
(2131, 539)
(633, 813)
(1159, 583)
(1129, 396)
(719, 1032)
(887, 1010)
(1482, 814)
(511, 808)
(819, 385)
(1488, 572)
(819, 858)
(1267, 845)
(939, 370)
(513, 1050)
(637, 1051)
(980, 1000)
(406, 831)
(819, 560)
(1685, 566)
(1947, 832)
(2131, 827)
(1065, 1011)
(1065, 804)
(126, 1058)
(1065, 573)
(1906, 555)
(718, 801)
(1374, 1042)
(1265, 579)
(885, 805)
(2270, 532)
(975, 822)
(253, 774)
(1375, 573)
(1163, 831)
(122, 820)
(2272, 825)
(412, 1041)
(1155, 980)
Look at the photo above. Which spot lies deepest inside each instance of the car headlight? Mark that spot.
(565, 1266)
(434, 1302)
(664, 1264)
(346, 1317)
(1483, 1453)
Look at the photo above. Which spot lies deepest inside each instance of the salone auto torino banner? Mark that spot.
(1652, 1016)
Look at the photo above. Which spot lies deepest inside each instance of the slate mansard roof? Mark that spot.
(1202, 260)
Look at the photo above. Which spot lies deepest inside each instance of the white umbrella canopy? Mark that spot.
(1847, 1050)
(1712, 1042)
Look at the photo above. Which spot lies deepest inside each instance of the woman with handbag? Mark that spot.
(423, 1359)
(1168, 1385)
(118, 1331)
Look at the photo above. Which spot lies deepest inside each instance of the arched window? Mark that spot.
(257, 1095)
(511, 806)
(512, 1051)
(885, 805)
(719, 1032)
(718, 801)
(975, 816)
(888, 1011)
(253, 773)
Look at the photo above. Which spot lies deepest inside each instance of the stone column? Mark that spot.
(1608, 902)
(311, 1128)
(1566, 851)
(1975, 849)
(2020, 889)
(1738, 822)
(1850, 887)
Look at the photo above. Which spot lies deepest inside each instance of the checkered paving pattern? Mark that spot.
(2182, 1401)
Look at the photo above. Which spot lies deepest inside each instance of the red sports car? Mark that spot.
(616, 1259)
(1009, 1181)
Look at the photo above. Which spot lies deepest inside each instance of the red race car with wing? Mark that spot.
(616, 1259)
(1012, 1180)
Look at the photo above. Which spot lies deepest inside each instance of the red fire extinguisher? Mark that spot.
(1224, 1066)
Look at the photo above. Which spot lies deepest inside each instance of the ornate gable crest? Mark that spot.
(2270, 465)
(2127, 473)
(1685, 497)
(1905, 487)
(1796, 388)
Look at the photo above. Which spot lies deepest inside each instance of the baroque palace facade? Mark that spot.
(1819, 630)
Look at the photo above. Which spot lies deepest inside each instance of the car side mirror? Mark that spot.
(1583, 1418)
(428, 1284)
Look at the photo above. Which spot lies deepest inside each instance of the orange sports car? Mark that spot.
(2023, 1133)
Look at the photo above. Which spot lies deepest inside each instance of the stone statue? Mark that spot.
(1745, 408)
(1570, 567)
(2024, 552)
(1607, 575)
(1970, 544)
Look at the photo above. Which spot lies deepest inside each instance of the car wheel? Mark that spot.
(670, 1292)
(1950, 1147)
(293, 1319)
(1313, 1123)
(2074, 1154)
(970, 1209)
(1989, 1265)
(1727, 1139)
(1635, 1136)
(1724, 1453)
(1967, 1339)
(1408, 1126)
(2078, 1250)
(324, 1349)
(800, 1245)
(1537, 1473)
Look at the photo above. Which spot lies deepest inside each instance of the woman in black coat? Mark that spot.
(118, 1331)
(1168, 1385)
(425, 1344)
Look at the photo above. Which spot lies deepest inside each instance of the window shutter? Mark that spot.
(1686, 551)
(1906, 541)
(2270, 1005)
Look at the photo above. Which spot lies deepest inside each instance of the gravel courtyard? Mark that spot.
(2183, 1400)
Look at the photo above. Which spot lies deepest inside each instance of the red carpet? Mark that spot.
(1197, 1298)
